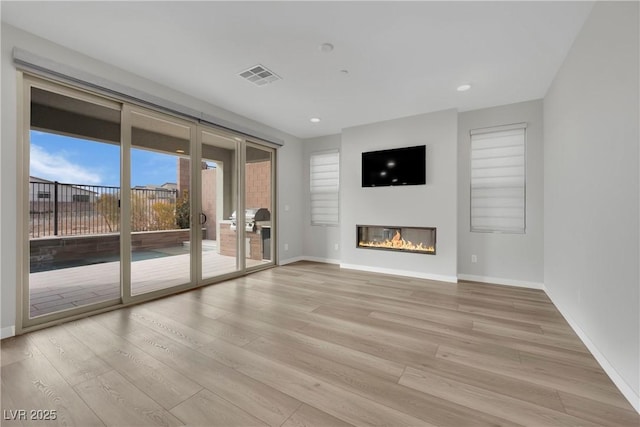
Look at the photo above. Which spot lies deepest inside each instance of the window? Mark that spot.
(80, 197)
(498, 179)
(44, 195)
(325, 188)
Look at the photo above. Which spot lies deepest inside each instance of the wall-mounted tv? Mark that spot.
(399, 166)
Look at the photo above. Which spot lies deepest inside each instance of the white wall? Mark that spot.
(289, 201)
(591, 247)
(430, 205)
(319, 241)
(515, 259)
(288, 173)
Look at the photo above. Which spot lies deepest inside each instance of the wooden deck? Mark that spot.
(62, 289)
(314, 345)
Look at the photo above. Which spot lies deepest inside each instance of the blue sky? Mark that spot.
(78, 161)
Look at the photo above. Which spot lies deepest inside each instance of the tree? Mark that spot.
(107, 206)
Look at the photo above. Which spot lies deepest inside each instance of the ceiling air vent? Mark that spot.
(260, 75)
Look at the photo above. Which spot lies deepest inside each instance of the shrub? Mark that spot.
(183, 211)
(164, 216)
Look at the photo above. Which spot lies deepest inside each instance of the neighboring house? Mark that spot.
(166, 191)
(42, 194)
(170, 186)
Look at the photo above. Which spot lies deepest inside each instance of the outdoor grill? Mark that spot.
(251, 216)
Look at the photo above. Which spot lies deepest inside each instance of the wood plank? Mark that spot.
(308, 416)
(73, 360)
(11, 418)
(263, 402)
(426, 320)
(209, 410)
(200, 323)
(374, 347)
(118, 402)
(425, 407)
(229, 300)
(517, 315)
(336, 401)
(568, 343)
(347, 356)
(16, 349)
(497, 404)
(171, 328)
(598, 412)
(34, 383)
(434, 336)
(162, 383)
(419, 311)
(180, 306)
(579, 385)
(518, 388)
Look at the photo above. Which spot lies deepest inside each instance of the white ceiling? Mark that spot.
(403, 58)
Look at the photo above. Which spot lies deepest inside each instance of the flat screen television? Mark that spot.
(399, 166)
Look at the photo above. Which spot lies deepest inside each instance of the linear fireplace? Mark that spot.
(397, 238)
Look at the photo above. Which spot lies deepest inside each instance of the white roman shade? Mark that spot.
(498, 179)
(325, 188)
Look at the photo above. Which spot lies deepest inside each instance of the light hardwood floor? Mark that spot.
(313, 345)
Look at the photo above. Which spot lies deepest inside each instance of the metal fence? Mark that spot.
(61, 209)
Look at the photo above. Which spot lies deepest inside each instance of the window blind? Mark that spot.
(325, 188)
(498, 179)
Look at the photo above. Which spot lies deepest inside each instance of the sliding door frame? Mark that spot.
(272, 209)
(125, 214)
(240, 220)
(25, 82)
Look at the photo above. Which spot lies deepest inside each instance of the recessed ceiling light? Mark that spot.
(314, 120)
(326, 47)
(464, 87)
(180, 151)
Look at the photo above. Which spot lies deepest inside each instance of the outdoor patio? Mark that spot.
(67, 288)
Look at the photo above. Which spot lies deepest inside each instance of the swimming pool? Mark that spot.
(48, 265)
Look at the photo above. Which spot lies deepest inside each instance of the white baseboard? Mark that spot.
(323, 260)
(500, 281)
(622, 385)
(407, 273)
(7, 332)
(309, 258)
(291, 260)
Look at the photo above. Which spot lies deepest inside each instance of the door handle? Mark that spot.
(203, 218)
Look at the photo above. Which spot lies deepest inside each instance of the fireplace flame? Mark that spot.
(397, 242)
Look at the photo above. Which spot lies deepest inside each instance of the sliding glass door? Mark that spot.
(218, 178)
(258, 200)
(160, 201)
(71, 215)
(122, 204)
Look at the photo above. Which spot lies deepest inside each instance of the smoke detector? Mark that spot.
(259, 75)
